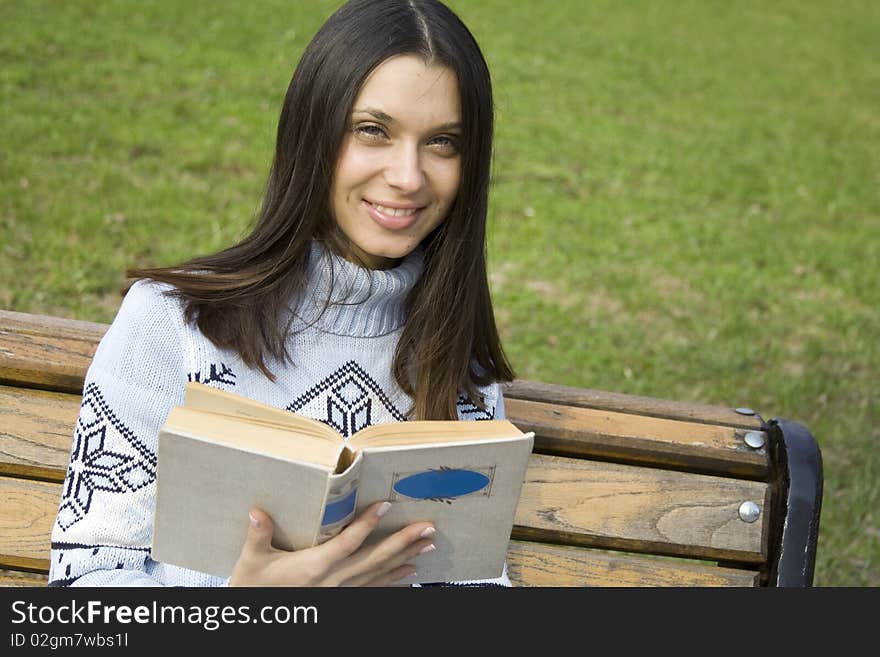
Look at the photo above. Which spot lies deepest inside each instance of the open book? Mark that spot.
(221, 454)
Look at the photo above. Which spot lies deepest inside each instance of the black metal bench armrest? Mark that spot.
(799, 483)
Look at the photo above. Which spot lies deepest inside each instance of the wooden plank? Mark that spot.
(36, 429)
(633, 438)
(26, 518)
(636, 509)
(48, 362)
(51, 326)
(21, 578)
(15, 327)
(539, 564)
(564, 501)
(615, 401)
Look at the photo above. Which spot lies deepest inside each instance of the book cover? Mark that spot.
(221, 454)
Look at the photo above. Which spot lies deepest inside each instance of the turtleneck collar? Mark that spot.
(363, 302)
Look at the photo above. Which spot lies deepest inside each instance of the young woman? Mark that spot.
(360, 297)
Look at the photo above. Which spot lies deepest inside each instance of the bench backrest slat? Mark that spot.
(609, 505)
(539, 564)
(579, 502)
(45, 362)
(625, 403)
(36, 431)
(20, 578)
(27, 358)
(37, 427)
(51, 326)
(26, 516)
(628, 437)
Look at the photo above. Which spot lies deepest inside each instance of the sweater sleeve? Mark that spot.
(499, 406)
(103, 530)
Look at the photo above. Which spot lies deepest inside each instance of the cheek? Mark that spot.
(354, 167)
(448, 182)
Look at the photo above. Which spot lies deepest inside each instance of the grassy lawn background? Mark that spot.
(686, 200)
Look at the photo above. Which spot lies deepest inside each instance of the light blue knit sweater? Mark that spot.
(341, 376)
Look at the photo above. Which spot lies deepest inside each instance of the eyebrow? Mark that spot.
(387, 118)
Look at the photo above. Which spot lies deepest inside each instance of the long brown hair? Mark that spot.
(237, 297)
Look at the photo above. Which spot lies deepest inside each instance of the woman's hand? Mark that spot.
(341, 561)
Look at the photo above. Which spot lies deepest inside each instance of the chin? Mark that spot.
(389, 251)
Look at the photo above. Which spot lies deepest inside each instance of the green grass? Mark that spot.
(686, 200)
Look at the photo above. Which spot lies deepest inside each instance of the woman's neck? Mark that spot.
(343, 298)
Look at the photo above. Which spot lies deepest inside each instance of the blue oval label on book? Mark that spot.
(444, 483)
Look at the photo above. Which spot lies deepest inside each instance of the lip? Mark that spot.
(390, 222)
(396, 206)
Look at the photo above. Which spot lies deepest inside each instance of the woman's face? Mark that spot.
(399, 165)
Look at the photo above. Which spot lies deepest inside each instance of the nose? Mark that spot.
(403, 170)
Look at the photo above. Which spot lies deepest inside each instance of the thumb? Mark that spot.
(259, 536)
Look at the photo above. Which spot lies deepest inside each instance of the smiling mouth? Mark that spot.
(394, 212)
(393, 219)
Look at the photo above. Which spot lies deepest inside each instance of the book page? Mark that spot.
(206, 398)
(432, 431)
(258, 437)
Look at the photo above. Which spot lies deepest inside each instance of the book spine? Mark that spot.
(339, 509)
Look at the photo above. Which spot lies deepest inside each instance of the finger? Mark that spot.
(259, 536)
(347, 542)
(402, 544)
(384, 572)
(385, 556)
(393, 576)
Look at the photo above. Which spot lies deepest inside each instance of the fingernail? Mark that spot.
(254, 522)
(428, 548)
(383, 509)
(427, 532)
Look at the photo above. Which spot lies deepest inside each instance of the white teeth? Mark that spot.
(394, 212)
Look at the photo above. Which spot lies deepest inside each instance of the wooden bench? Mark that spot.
(620, 491)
